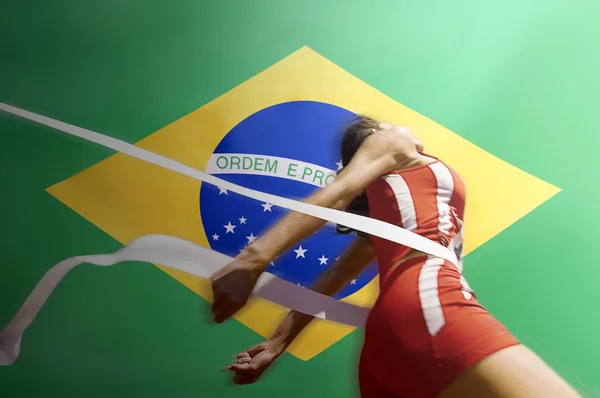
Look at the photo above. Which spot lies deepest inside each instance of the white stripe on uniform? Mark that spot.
(404, 200)
(445, 189)
(445, 184)
(429, 294)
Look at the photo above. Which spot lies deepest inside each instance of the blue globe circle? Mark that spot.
(303, 131)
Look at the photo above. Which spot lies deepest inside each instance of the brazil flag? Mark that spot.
(255, 93)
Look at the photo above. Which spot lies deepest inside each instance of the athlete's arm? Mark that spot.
(364, 169)
(380, 153)
(253, 362)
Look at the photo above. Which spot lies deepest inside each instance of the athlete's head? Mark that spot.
(353, 137)
(357, 132)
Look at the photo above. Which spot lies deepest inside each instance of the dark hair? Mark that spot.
(354, 136)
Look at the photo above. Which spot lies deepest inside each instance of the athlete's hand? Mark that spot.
(232, 286)
(251, 364)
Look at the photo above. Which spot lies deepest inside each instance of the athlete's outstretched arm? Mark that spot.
(252, 363)
(380, 153)
(370, 162)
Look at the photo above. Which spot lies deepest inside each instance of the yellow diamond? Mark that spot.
(128, 198)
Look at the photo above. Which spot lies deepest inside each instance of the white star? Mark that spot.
(251, 238)
(300, 252)
(300, 284)
(229, 228)
(353, 282)
(215, 237)
(267, 207)
(323, 260)
(272, 263)
(222, 190)
(243, 220)
(339, 165)
(241, 250)
(337, 258)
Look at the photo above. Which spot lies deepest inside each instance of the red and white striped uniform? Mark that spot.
(428, 200)
(426, 326)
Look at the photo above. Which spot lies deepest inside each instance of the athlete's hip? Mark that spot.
(422, 292)
(427, 326)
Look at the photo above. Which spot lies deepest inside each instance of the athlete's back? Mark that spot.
(428, 200)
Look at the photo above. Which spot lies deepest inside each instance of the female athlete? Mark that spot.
(426, 335)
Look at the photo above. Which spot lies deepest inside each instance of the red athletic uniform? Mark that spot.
(426, 326)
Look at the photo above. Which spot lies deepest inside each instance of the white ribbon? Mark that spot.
(196, 260)
(184, 256)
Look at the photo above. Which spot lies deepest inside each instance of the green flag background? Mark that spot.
(517, 78)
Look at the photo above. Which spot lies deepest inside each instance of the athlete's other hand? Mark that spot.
(232, 286)
(251, 364)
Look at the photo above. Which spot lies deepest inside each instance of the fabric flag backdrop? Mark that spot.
(257, 97)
